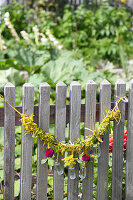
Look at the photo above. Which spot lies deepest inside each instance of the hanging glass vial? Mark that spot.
(97, 151)
(83, 172)
(58, 168)
(72, 173)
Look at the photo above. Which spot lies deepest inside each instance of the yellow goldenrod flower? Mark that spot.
(123, 1)
(93, 156)
(2, 148)
(69, 160)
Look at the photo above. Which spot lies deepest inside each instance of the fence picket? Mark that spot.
(118, 137)
(102, 181)
(90, 118)
(60, 125)
(9, 142)
(129, 152)
(74, 133)
(44, 115)
(26, 145)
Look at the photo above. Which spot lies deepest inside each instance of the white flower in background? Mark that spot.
(7, 15)
(43, 38)
(25, 36)
(10, 26)
(54, 40)
(2, 44)
(36, 33)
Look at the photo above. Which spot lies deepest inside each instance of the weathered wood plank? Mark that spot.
(52, 114)
(26, 145)
(130, 5)
(9, 142)
(129, 151)
(90, 117)
(74, 133)
(118, 137)
(102, 181)
(44, 113)
(60, 125)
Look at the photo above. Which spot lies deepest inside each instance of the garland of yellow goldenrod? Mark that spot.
(79, 146)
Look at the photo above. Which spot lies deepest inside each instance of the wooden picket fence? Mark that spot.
(60, 114)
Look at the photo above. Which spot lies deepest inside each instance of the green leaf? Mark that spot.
(1, 197)
(50, 181)
(79, 161)
(50, 162)
(17, 163)
(1, 159)
(1, 175)
(44, 161)
(29, 59)
(17, 188)
(18, 150)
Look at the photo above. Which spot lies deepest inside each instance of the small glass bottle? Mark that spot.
(83, 172)
(96, 151)
(58, 168)
(72, 174)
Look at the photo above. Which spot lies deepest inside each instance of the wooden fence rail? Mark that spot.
(60, 114)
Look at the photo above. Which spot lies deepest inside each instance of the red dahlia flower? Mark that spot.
(49, 152)
(86, 157)
(124, 142)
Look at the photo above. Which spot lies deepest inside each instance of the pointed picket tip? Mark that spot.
(9, 85)
(28, 85)
(91, 85)
(119, 81)
(60, 84)
(44, 87)
(75, 83)
(91, 82)
(120, 84)
(44, 84)
(105, 82)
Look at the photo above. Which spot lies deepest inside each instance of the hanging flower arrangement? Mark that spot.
(80, 147)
